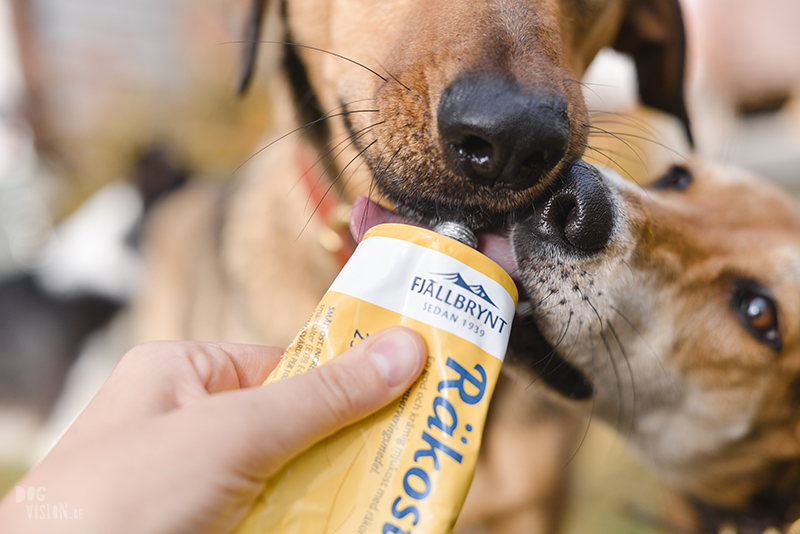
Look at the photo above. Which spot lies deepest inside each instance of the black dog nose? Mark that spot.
(580, 211)
(495, 132)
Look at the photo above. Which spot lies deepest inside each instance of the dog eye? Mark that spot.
(760, 316)
(677, 178)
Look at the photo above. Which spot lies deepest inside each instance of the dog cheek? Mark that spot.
(524, 250)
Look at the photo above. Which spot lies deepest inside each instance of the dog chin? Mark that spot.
(530, 351)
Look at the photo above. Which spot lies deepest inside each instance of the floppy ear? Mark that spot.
(252, 32)
(652, 33)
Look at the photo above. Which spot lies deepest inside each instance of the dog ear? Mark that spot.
(252, 32)
(652, 32)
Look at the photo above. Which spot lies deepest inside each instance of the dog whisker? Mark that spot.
(327, 148)
(618, 389)
(385, 170)
(372, 184)
(602, 119)
(361, 133)
(626, 144)
(540, 305)
(331, 115)
(572, 348)
(641, 336)
(287, 134)
(616, 157)
(340, 56)
(393, 77)
(361, 162)
(309, 47)
(348, 141)
(591, 408)
(377, 176)
(611, 360)
(605, 154)
(590, 87)
(629, 119)
(551, 355)
(632, 418)
(331, 53)
(547, 358)
(630, 271)
(619, 136)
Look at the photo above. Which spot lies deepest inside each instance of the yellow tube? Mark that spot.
(407, 468)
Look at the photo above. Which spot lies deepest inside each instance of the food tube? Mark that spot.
(407, 468)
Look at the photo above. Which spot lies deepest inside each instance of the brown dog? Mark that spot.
(455, 111)
(441, 109)
(678, 326)
(463, 111)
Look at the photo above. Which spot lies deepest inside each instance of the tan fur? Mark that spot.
(235, 262)
(654, 327)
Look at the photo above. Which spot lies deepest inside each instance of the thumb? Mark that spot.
(290, 416)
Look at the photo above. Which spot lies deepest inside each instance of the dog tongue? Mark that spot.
(367, 214)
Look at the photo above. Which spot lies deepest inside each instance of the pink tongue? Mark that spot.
(367, 214)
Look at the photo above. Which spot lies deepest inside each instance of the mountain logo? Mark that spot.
(475, 289)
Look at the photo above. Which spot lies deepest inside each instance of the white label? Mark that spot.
(430, 287)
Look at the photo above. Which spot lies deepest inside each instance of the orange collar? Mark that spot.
(329, 208)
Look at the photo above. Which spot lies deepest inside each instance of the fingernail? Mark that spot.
(396, 355)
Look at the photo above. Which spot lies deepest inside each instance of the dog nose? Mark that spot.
(495, 132)
(580, 212)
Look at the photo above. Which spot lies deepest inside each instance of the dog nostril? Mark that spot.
(540, 161)
(534, 162)
(476, 150)
(559, 214)
(581, 211)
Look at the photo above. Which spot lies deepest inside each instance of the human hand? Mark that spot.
(179, 440)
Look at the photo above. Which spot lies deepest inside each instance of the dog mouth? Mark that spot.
(531, 351)
(529, 348)
(494, 244)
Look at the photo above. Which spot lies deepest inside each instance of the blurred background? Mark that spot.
(106, 106)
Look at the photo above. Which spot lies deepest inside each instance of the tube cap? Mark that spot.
(457, 231)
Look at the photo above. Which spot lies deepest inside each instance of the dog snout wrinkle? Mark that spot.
(580, 212)
(496, 133)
